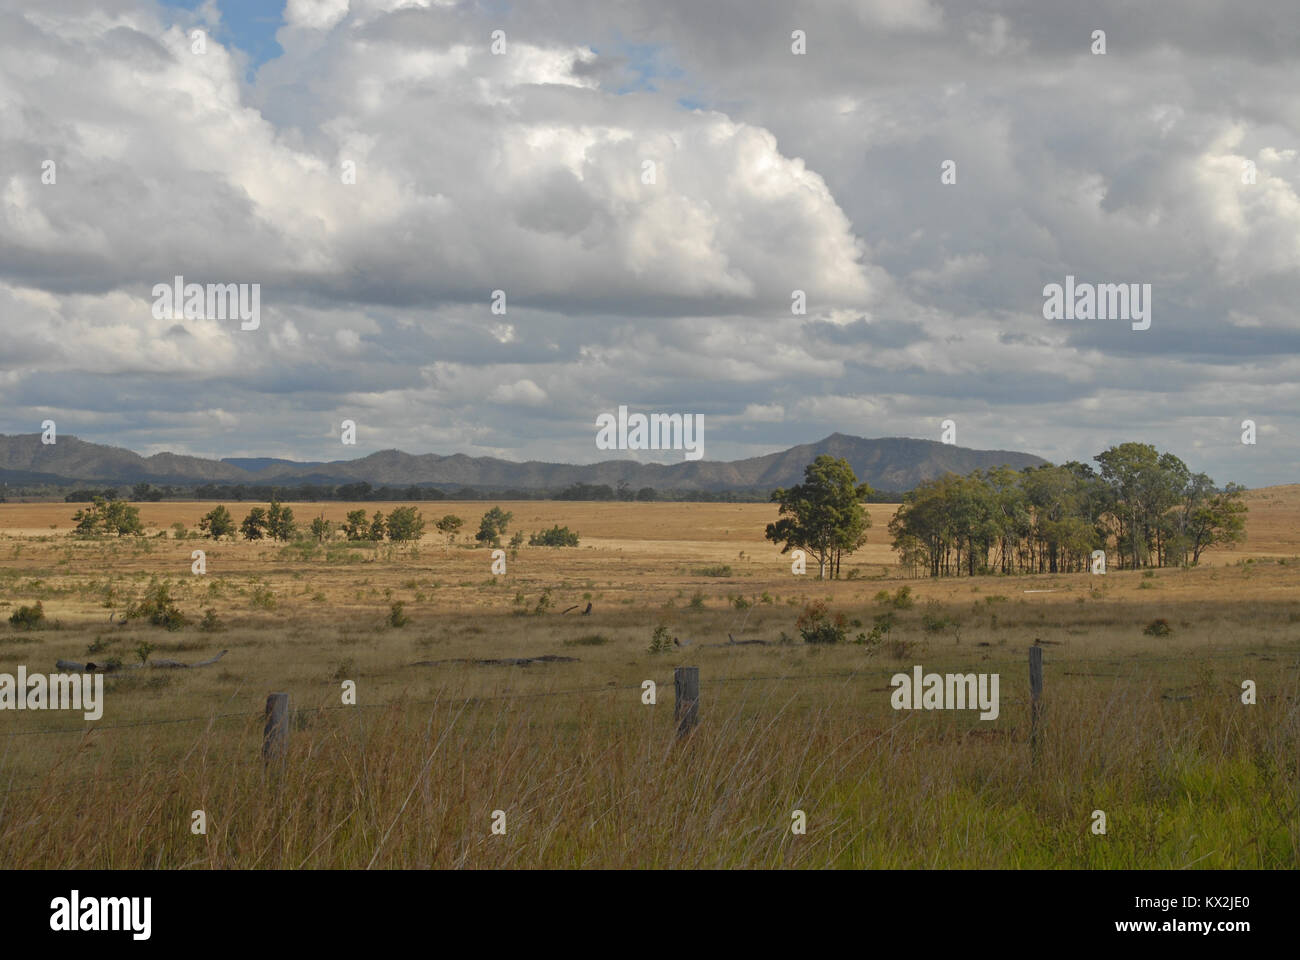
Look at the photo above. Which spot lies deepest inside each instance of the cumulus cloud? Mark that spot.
(647, 185)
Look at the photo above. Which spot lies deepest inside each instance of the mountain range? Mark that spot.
(887, 464)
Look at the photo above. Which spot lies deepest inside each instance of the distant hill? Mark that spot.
(890, 463)
(258, 464)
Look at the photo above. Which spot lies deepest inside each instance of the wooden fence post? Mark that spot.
(686, 687)
(1035, 697)
(275, 735)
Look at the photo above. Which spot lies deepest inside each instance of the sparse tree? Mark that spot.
(357, 527)
(321, 529)
(279, 522)
(253, 526)
(217, 523)
(450, 525)
(493, 526)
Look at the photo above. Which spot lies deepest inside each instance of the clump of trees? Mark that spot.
(1142, 507)
(87, 495)
(823, 515)
(108, 516)
(402, 524)
(275, 523)
(557, 536)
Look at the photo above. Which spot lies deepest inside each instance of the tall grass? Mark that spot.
(599, 780)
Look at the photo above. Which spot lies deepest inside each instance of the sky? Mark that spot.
(1172, 159)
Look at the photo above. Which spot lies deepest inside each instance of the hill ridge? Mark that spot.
(886, 463)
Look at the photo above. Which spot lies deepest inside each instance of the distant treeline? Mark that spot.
(1143, 508)
(312, 492)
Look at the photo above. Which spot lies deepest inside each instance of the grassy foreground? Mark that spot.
(1150, 730)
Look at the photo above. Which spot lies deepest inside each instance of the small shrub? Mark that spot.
(697, 600)
(157, 607)
(143, 649)
(210, 622)
(660, 642)
(817, 625)
(901, 648)
(1158, 628)
(901, 599)
(544, 602)
(25, 618)
(396, 616)
(719, 570)
(590, 640)
(932, 621)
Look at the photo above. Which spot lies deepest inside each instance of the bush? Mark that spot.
(590, 640)
(210, 622)
(1158, 628)
(396, 616)
(263, 598)
(25, 618)
(660, 642)
(557, 536)
(157, 607)
(932, 621)
(719, 570)
(817, 625)
(900, 600)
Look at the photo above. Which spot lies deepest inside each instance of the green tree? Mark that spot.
(280, 524)
(321, 529)
(90, 520)
(357, 527)
(378, 526)
(493, 526)
(824, 514)
(217, 523)
(122, 518)
(405, 523)
(449, 525)
(1221, 520)
(253, 526)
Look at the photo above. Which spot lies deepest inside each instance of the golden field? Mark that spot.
(1149, 729)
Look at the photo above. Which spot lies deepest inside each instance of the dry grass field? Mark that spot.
(1149, 729)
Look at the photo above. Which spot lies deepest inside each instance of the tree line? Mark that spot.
(1142, 507)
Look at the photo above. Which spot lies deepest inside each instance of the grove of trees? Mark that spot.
(108, 516)
(1143, 507)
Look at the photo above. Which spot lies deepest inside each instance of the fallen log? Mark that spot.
(499, 661)
(92, 667)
